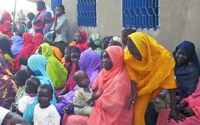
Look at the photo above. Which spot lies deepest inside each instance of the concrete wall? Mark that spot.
(179, 20)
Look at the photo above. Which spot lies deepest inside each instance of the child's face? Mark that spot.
(39, 7)
(83, 80)
(18, 81)
(44, 97)
(75, 57)
(181, 56)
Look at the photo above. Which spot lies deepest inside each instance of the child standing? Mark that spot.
(31, 90)
(46, 18)
(39, 25)
(84, 97)
(45, 113)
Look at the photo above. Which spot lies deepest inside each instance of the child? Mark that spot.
(44, 112)
(31, 90)
(46, 18)
(23, 61)
(84, 97)
(39, 25)
(20, 79)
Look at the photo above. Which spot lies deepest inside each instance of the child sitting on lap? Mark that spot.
(44, 112)
(31, 90)
(84, 96)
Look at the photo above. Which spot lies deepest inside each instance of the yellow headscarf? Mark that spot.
(156, 70)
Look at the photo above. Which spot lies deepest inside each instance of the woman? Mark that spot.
(49, 38)
(116, 41)
(8, 89)
(188, 107)
(81, 39)
(95, 43)
(37, 68)
(54, 69)
(106, 41)
(150, 68)
(186, 70)
(16, 46)
(37, 41)
(26, 51)
(6, 52)
(70, 84)
(60, 26)
(6, 37)
(125, 33)
(6, 21)
(90, 62)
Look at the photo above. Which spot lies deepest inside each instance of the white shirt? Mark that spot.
(3, 114)
(24, 102)
(46, 116)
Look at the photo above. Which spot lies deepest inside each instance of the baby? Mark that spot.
(44, 112)
(31, 90)
(84, 96)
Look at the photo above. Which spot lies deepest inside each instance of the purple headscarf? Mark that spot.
(90, 63)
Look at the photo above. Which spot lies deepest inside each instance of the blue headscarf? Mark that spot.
(17, 45)
(49, 38)
(187, 74)
(37, 63)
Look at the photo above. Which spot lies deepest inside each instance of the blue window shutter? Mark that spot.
(54, 3)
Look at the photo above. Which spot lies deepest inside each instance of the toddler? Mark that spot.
(23, 61)
(84, 96)
(44, 112)
(31, 90)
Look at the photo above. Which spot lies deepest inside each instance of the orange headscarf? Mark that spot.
(57, 53)
(156, 68)
(111, 107)
(84, 43)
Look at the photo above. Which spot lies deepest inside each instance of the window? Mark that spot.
(141, 14)
(86, 11)
(54, 3)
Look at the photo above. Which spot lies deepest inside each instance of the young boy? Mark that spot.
(84, 97)
(31, 90)
(23, 61)
(44, 112)
(20, 79)
(46, 18)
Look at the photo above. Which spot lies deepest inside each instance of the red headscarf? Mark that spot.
(37, 40)
(6, 28)
(84, 42)
(26, 50)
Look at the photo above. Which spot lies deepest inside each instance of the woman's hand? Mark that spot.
(189, 113)
(183, 104)
(175, 115)
(132, 100)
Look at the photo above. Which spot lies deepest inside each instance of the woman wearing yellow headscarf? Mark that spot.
(150, 68)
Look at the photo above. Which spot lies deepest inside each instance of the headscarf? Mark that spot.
(3, 62)
(6, 37)
(97, 39)
(70, 84)
(155, 71)
(26, 51)
(119, 40)
(187, 74)
(37, 40)
(54, 69)
(49, 38)
(106, 41)
(57, 52)
(17, 45)
(5, 28)
(5, 47)
(111, 107)
(37, 63)
(84, 42)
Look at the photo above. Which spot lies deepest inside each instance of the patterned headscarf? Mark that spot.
(106, 41)
(97, 39)
(49, 38)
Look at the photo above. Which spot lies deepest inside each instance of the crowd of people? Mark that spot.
(113, 80)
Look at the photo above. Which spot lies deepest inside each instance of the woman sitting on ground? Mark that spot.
(106, 41)
(81, 39)
(108, 110)
(37, 41)
(5, 26)
(186, 70)
(17, 44)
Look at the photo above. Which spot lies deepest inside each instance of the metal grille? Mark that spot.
(141, 14)
(86, 11)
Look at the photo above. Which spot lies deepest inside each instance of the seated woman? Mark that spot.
(49, 38)
(95, 43)
(37, 41)
(125, 33)
(189, 108)
(81, 39)
(90, 62)
(106, 41)
(54, 69)
(26, 51)
(8, 89)
(111, 107)
(17, 44)
(116, 41)
(6, 52)
(70, 84)
(186, 70)
(37, 68)
(151, 68)
(5, 26)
